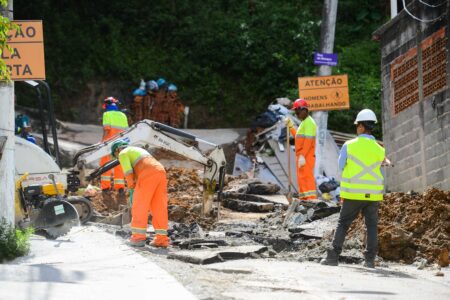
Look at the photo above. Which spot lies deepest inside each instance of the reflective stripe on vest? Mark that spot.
(362, 178)
(307, 128)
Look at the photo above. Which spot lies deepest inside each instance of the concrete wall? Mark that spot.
(417, 139)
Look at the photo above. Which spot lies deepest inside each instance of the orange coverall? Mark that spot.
(148, 178)
(114, 122)
(305, 144)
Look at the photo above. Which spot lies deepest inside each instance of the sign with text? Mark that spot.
(26, 60)
(325, 59)
(325, 92)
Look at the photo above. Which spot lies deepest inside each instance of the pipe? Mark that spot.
(43, 125)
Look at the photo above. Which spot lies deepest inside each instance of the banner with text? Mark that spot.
(325, 92)
(26, 60)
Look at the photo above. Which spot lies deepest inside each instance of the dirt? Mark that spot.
(413, 225)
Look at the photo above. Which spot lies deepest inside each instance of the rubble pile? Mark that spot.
(413, 225)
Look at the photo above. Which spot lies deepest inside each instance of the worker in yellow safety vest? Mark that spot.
(146, 179)
(362, 187)
(114, 122)
(305, 149)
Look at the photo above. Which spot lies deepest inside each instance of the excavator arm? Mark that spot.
(149, 134)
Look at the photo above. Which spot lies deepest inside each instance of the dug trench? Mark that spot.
(413, 227)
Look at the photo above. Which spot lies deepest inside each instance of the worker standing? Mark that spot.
(362, 187)
(305, 149)
(114, 122)
(147, 177)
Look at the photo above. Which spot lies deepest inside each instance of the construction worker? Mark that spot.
(114, 122)
(362, 187)
(305, 149)
(146, 178)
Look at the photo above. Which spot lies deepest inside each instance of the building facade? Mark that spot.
(415, 74)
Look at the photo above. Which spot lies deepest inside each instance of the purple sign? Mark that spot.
(326, 59)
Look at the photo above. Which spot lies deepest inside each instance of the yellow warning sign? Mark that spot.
(26, 60)
(325, 92)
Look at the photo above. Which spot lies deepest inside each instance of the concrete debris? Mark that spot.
(209, 256)
(247, 206)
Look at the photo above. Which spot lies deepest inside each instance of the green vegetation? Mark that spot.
(13, 242)
(229, 58)
(5, 27)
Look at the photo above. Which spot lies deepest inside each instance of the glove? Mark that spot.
(130, 200)
(288, 122)
(301, 161)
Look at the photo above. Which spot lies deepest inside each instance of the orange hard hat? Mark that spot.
(299, 103)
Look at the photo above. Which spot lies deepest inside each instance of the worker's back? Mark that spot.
(114, 122)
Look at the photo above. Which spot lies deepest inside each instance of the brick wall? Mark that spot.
(416, 130)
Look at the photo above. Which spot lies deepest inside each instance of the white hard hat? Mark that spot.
(366, 115)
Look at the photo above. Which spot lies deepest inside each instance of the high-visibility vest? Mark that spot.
(362, 178)
(129, 157)
(115, 120)
(307, 129)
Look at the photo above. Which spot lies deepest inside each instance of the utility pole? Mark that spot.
(327, 30)
(7, 170)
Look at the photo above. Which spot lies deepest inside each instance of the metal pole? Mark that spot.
(329, 14)
(7, 169)
(43, 125)
(52, 120)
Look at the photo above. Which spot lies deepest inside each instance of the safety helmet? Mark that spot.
(366, 115)
(172, 88)
(152, 85)
(161, 82)
(299, 103)
(109, 101)
(116, 145)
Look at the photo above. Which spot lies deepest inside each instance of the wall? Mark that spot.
(417, 132)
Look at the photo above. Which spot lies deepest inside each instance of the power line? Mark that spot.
(418, 19)
(431, 5)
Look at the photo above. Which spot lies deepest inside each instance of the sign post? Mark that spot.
(26, 60)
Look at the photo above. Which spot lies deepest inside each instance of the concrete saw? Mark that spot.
(56, 217)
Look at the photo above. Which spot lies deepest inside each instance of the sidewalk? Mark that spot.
(86, 264)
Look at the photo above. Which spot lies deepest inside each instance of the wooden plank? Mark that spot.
(282, 158)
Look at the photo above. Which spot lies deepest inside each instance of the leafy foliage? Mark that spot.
(13, 242)
(5, 27)
(229, 58)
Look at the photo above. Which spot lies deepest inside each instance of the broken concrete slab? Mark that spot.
(247, 206)
(192, 244)
(210, 256)
(275, 199)
(316, 229)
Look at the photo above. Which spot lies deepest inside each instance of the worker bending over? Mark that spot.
(305, 149)
(362, 187)
(147, 177)
(114, 122)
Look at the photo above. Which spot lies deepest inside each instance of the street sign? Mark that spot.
(325, 92)
(325, 59)
(26, 60)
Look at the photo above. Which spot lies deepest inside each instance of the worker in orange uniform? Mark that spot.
(147, 180)
(305, 148)
(114, 122)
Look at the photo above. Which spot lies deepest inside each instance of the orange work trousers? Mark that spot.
(305, 179)
(150, 195)
(114, 175)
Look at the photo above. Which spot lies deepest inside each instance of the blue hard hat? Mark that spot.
(161, 82)
(152, 85)
(172, 88)
(139, 92)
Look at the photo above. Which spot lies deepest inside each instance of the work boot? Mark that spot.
(136, 243)
(369, 264)
(332, 258)
(160, 241)
(121, 192)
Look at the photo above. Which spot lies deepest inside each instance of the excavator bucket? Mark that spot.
(56, 218)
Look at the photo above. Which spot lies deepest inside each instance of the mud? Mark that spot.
(412, 225)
